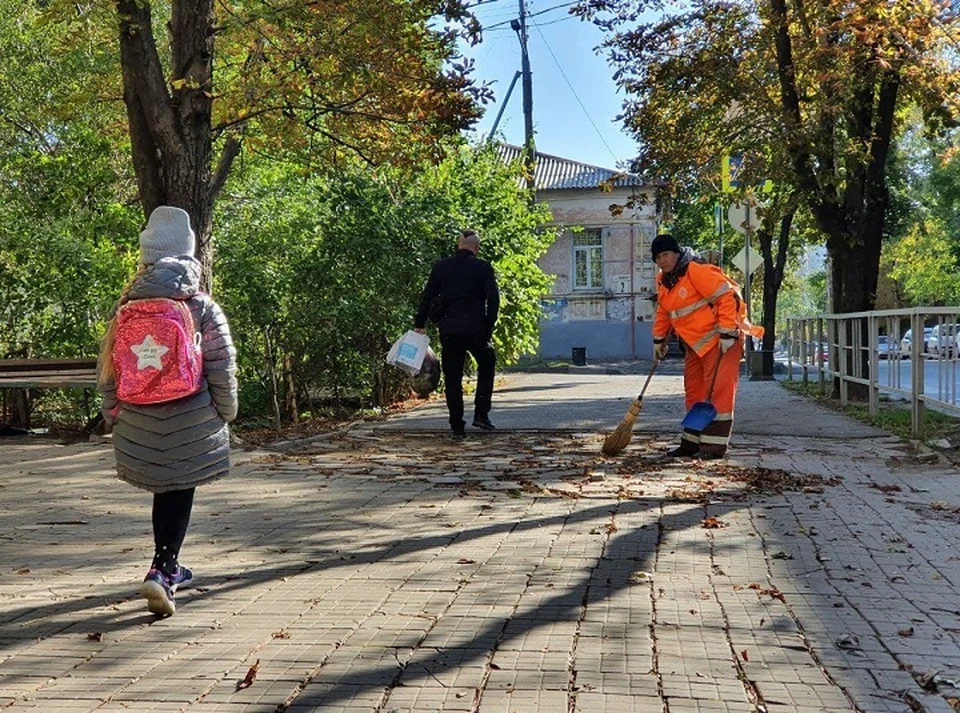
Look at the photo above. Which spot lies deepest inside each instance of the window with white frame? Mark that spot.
(588, 259)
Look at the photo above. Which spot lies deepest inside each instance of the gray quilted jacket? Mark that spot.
(184, 443)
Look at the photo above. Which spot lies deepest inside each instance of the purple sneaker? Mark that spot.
(159, 589)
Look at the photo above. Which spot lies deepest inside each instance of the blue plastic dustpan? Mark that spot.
(702, 413)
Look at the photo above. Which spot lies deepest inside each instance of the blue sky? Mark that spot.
(575, 99)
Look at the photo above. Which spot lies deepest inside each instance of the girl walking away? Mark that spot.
(167, 372)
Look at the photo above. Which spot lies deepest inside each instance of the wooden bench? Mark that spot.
(40, 374)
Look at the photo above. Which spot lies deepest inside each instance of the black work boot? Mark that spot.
(681, 452)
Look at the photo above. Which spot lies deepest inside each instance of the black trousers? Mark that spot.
(171, 518)
(454, 353)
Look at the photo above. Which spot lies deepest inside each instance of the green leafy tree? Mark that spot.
(321, 273)
(808, 92)
(65, 231)
(945, 187)
(315, 81)
(923, 262)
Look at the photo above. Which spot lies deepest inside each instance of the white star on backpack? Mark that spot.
(149, 353)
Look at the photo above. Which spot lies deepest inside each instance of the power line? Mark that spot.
(534, 14)
(554, 22)
(502, 14)
(574, 92)
(489, 49)
(478, 3)
(555, 7)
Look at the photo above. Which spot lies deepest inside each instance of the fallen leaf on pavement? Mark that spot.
(96, 636)
(744, 656)
(712, 523)
(250, 677)
(849, 642)
(905, 632)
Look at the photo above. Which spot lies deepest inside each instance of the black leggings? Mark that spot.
(171, 517)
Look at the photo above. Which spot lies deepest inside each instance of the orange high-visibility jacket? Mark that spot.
(701, 306)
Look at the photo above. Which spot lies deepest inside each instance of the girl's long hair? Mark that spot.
(107, 371)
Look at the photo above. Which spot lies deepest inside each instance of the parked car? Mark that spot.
(906, 342)
(884, 346)
(942, 340)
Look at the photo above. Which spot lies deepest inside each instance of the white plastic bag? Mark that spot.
(408, 352)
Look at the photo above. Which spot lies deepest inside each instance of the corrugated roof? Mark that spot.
(554, 173)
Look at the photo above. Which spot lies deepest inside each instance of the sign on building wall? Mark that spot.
(587, 309)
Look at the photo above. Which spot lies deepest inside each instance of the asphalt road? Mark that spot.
(591, 400)
(941, 378)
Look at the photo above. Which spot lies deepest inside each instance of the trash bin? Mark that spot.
(579, 356)
(761, 365)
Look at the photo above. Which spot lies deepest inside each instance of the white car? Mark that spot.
(942, 340)
(905, 343)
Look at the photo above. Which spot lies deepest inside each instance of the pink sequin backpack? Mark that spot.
(156, 351)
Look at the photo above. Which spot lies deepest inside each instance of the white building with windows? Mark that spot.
(604, 289)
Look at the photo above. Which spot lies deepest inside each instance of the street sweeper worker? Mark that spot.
(703, 307)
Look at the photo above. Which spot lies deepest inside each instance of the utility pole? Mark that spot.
(520, 27)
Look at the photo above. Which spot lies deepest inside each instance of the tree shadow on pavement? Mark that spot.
(624, 555)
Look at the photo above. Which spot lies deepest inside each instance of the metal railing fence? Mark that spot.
(876, 350)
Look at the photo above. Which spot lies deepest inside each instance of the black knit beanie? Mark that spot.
(664, 242)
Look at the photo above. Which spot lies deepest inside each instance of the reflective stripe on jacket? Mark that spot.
(702, 304)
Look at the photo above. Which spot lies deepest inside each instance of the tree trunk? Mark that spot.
(291, 405)
(170, 129)
(773, 274)
(272, 376)
(16, 408)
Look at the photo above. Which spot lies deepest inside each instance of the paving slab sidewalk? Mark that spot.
(521, 571)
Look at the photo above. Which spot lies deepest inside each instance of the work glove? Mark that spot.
(660, 350)
(727, 340)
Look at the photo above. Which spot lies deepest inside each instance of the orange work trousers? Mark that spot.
(697, 376)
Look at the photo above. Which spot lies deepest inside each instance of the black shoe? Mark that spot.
(680, 452)
(457, 435)
(711, 456)
(483, 423)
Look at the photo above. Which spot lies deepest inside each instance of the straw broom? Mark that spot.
(620, 438)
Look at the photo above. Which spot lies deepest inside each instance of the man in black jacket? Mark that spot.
(461, 297)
